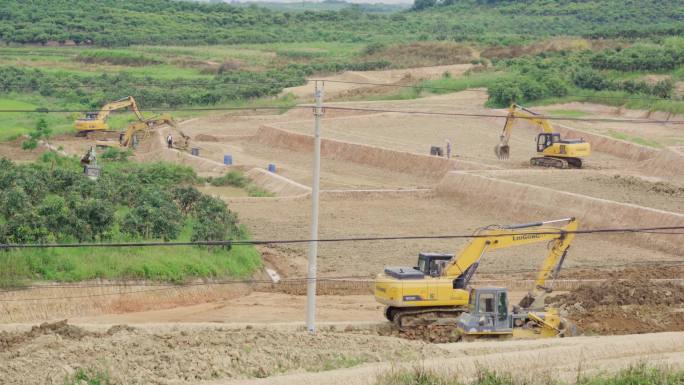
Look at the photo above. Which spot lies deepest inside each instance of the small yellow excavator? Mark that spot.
(138, 131)
(436, 291)
(94, 122)
(555, 151)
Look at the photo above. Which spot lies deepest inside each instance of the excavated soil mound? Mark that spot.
(60, 328)
(639, 184)
(629, 320)
(625, 307)
(621, 293)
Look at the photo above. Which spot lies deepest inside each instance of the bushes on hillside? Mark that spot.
(213, 221)
(555, 74)
(641, 57)
(52, 201)
(520, 88)
(101, 89)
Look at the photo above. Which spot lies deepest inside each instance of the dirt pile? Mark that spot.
(622, 293)
(634, 183)
(193, 354)
(659, 271)
(625, 307)
(59, 328)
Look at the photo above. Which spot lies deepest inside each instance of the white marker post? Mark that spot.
(313, 245)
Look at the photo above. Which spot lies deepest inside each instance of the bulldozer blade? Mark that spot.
(502, 151)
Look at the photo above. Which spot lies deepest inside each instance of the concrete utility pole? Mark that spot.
(313, 245)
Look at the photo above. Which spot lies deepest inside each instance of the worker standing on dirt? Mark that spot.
(448, 149)
(169, 140)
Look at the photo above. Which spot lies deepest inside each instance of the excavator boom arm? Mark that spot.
(516, 112)
(119, 104)
(518, 235)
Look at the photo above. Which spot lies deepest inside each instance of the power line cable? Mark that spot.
(243, 242)
(345, 278)
(378, 110)
(165, 287)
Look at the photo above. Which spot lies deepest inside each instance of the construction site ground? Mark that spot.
(219, 334)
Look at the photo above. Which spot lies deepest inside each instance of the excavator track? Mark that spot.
(553, 162)
(408, 318)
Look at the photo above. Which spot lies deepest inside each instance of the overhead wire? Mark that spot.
(359, 109)
(159, 286)
(243, 242)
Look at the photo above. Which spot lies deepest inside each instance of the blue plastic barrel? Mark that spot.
(271, 167)
(194, 151)
(227, 160)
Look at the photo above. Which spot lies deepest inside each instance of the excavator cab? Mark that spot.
(432, 264)
(546, 140)
(90, 116)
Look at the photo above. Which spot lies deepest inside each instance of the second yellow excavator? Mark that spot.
(138, 131)
(97, 121)
(555, 151)
(436, 292)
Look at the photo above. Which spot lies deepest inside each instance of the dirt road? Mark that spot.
(557, 359)
(257, 307)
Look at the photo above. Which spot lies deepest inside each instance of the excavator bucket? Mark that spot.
(502, 151)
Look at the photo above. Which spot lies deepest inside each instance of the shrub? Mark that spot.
(154, 216)
(504, 92)
(186, 197)
(213, 221)
(94, 217)
(232, 178)
(116, 155)
(41, 132)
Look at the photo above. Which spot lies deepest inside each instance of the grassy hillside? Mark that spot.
(121, 23)
(51, 201)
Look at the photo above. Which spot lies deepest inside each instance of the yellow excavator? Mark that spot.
(553, 150)
(138, 131)
(436, 291)
(97, 121)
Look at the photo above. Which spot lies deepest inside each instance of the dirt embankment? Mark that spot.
(522, 199)
(625, 307)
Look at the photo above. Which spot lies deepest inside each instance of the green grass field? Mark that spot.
(174, 264)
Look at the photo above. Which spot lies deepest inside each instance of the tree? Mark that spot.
(213, 221)
(94, 218)
(419, 5)
(154, 216)
(503, 92)
(56, 216)
(186, 197)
